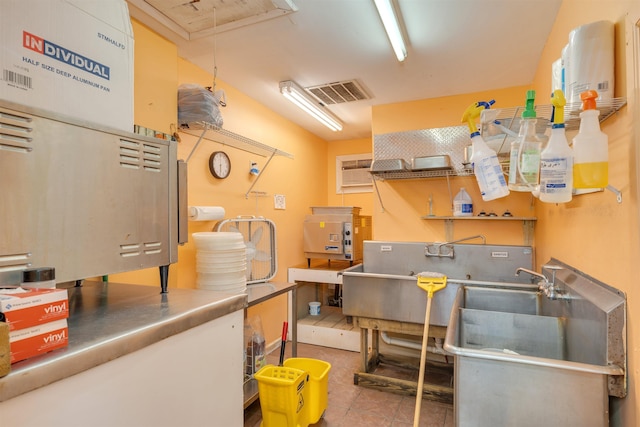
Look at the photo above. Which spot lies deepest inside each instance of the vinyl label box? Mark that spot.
(26, 307)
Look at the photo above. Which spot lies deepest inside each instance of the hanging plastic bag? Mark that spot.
(255, 350)
(197, 104)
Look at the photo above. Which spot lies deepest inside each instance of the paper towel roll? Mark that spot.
(591, 60)
(205, 213)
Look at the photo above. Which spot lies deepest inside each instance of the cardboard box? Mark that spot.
(30, 342)
(26, 307)
(73, 57)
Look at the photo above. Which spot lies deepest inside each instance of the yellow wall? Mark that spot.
(592, 233)
(406, 201)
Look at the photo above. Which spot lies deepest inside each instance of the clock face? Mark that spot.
(219, 164)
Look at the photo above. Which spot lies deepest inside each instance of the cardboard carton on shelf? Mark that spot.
(30, 342)
(27, 307)
(71, 57)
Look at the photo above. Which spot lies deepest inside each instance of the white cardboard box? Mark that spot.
(73, 57)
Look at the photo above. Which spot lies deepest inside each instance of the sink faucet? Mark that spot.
(550, 289)
(438, 252)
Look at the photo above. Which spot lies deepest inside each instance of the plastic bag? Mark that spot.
(255, 351)
(197, 104)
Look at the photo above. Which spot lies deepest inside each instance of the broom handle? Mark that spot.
(423, 362)
(285, 326)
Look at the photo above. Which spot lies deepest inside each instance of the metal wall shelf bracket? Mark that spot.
(210, 132)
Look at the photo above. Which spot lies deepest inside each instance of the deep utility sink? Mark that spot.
(523, 359)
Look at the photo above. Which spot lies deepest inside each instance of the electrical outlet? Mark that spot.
(279, 201)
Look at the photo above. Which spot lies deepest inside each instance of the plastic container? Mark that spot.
(592, 60)
(314, 308)
(484, 160)
(44, 277)
(524, 162)
(462, 204)
(556, 160)
(318, 371)
(284, 396)
(590, 147)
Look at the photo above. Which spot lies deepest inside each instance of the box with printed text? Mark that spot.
(73, 57)
(30, 342)
(26, 307)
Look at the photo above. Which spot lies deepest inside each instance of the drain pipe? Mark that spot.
(415, 345)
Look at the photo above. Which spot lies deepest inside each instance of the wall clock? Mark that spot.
(219, 164)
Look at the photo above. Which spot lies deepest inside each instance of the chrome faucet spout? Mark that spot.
(531, 272)
(549, 288)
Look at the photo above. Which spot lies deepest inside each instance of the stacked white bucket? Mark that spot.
(221, 261)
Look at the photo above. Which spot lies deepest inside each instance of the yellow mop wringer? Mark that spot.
(432, 283)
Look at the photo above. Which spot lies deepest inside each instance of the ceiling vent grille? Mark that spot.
(338, 92)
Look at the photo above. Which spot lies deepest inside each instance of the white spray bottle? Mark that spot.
(484, 160)
(556, 160)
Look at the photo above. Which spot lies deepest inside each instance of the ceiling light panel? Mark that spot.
(391, 24)
(303, 100)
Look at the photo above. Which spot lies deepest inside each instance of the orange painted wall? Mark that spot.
(593, 233)
(406, 201)
(158, 72)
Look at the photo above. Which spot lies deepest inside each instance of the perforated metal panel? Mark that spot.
(425, 142)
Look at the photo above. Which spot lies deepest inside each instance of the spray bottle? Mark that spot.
(556, 160)
(484, 160)
(524, 163)
(590, 147)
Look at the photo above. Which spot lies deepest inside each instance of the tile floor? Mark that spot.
(354, 406)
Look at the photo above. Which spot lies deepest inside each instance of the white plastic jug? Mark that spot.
(462, 204)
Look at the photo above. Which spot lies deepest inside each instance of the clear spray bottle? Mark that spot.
(484, 160)
(556, 160)
(524, 163)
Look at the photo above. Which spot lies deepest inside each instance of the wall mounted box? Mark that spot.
(73, 57)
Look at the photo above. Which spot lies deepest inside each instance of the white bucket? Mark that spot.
(314, 308)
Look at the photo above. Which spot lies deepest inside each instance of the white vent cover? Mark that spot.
(338, 92)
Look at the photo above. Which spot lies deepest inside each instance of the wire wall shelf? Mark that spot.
(210, 132)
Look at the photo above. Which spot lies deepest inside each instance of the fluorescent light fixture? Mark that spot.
(392, 27)
(310, 105)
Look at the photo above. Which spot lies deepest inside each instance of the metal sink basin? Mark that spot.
(384, 285)
(523, 359)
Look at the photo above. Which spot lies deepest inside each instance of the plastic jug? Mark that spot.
(590, 147)
(462, 204)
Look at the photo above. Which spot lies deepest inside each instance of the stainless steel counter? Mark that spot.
(109, 320)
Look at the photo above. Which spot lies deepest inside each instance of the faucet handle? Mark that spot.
(553, 269)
